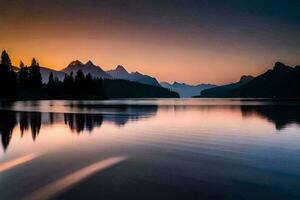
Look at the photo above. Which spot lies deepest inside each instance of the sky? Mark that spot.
(191, 41)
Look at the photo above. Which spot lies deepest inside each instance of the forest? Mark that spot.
(25, 83)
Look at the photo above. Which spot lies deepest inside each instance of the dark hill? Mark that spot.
(280, 82)
(129, 89)
(222, 91)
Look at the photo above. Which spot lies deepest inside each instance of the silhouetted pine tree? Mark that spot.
(5, 60)
(51, 85)
(68, 84)
(35, 77)
(51, 80)
(8, 79)
(7, 123)
(79, 78)
(29, 83)
(23, 75)
(89, 84)
(79, 85)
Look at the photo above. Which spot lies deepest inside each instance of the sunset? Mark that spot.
(149, 99)
(185, 41)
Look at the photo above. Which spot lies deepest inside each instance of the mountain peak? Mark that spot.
(89, 63)
(120, 68)
(245, 78)
(279, 66)
(88, 68)
(137, 73)
(178, 84)
(75, 62)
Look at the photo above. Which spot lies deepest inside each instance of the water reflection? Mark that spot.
(207, 145)
(7, 123)
(279, 115)
(81, 122)
(74, 178)
(77, 122)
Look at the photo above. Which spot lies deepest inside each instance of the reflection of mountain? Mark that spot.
(280, 115)
(77, 122)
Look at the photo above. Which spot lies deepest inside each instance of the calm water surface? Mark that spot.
(150, 149)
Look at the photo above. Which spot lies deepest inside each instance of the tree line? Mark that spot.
(26, 82)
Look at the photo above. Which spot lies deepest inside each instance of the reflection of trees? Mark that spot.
(118, 114)
(8, 120)
(126, 113)
(280, 115)
(24, 122)
(32, 120)
(77, 122)
(81, 122)
(35, 124)
(7, 123)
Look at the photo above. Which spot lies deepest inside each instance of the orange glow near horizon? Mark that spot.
(191, 42)
(181, 64)
(168, 58)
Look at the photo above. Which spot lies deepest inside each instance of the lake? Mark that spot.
(150, 149)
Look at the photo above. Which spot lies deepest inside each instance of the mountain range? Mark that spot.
(282, 81)
(89, 67)
(185, 90)
(121, 73)
(45, 72)
(97, 72)
(117, 83)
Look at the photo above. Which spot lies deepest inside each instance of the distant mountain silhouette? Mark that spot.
(128, 85)
(280, 82)
(45, 72)
(222, 91)
(89, 67)
(121, 73)
(185, 90)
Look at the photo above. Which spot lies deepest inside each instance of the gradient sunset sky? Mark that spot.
(192, 41)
